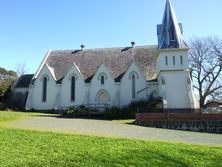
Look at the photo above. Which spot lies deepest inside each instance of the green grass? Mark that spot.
(30, 148)
(6, 116)
(33, 148)
(9, 116)
(125, 121)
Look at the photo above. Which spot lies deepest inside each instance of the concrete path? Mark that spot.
(115, 129)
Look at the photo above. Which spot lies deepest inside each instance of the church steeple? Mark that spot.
(170, 32)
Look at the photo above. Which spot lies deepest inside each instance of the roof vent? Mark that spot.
(82, 47)
(133, 44)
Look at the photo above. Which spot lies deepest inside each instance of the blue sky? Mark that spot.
(29, 28)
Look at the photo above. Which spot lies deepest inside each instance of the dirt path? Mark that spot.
(114, 129)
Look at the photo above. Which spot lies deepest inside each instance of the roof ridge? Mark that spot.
(70, 50)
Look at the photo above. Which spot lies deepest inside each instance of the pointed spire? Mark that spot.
(170, 32)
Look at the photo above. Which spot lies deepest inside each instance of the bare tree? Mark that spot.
(21, 69)
(206, 68)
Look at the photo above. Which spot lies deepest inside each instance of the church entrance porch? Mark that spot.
(102, 99)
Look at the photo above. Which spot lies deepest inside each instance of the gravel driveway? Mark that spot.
(114, 129)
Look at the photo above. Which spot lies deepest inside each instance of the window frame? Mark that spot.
(181, 60)
(166, 60)
(133, 86)
(73, 89)
(102, 80)
(44, 89)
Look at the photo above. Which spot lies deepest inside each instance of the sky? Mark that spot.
(29, 28)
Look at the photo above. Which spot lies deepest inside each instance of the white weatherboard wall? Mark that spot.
(161, 60)
(117, 95)
(152, 88)
(80, 88)
(126, 85)
(176, 89)
(52, 91)
(174, 79)
(96, 87)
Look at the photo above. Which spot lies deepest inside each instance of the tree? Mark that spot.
(21, 69)
(206, 68)
(7, 79)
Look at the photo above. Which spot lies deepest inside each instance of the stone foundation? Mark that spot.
(211, 123)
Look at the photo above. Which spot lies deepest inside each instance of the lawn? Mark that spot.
(33, 148)
(30, 148)
(9, 116)
(6, 116)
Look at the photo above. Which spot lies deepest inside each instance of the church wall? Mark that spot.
(80, 89)
(152, 89)
(108, 87)
(126, 85)
(161, 61)
(174, 89)
(116, 101)
(52, 92)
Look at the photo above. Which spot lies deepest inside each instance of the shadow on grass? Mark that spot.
(100, 117)
(92, 116)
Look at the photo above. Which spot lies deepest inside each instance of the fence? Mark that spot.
(201, 122)
(169, 110)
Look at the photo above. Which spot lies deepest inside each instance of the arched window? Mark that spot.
(181, 60)
(44, 89)
(166, 60)
(133, 86)
(102, 80)
(73, 88)
(174, 61)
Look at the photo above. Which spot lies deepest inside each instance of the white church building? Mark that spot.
(117, 76)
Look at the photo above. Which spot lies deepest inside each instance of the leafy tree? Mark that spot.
(206, 68)
(7, 79)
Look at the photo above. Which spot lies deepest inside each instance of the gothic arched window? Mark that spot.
(102, 80)
(133, 86)
(166, 60)
(181, 60)
(44, 89)
(73, 88)
(174, 61)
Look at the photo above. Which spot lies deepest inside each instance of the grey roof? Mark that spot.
(88, 80)
(24, 81)
(59, 81)
(153, 80)
(170, 32)
(118, 79)
(117, 60)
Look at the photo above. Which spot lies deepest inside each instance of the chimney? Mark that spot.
(82, 47)
(133, 44)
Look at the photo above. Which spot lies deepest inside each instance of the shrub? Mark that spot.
(2, 106)
(127, 112)
(74, 111)
(153, 104)
(112, 112)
